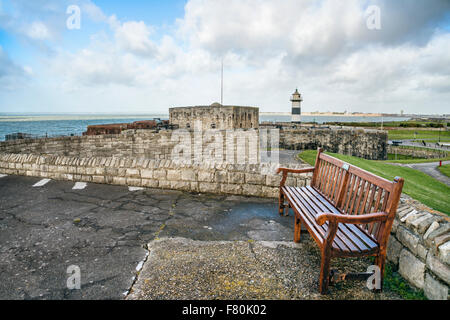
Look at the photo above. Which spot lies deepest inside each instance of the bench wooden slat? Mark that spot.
(361, 193)
(358, 239)
(340, 240)
(322, 175)
(337, 183)
(348, 199)
(362, 209)
(309, 219)
(330, 179)
(366, 175)
(355, 194)
(369, 241)
(334, 180)
(316, 232)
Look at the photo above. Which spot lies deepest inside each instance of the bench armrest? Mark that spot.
(286, 171)
(353, 219)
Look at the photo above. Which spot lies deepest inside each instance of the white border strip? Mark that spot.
(135, 188)
(41, 183)
(79, 186)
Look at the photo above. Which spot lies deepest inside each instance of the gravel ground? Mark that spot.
(179, 268)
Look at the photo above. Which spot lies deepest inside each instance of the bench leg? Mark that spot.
(324, 271)
(380, 262)
(281, 203)
(297, 229)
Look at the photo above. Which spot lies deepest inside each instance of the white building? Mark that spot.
(296, 106)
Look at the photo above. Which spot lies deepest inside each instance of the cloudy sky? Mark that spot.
(146, 56)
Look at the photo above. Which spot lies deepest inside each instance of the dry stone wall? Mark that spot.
(419, 246)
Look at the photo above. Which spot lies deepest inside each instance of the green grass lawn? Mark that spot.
(418, 185)
(418, 160)
(421, 135)
(445, 169)
(393, 156)
(445, 155)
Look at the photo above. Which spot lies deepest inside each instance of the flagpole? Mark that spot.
(221, 85)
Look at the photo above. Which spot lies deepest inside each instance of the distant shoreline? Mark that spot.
(329, 114)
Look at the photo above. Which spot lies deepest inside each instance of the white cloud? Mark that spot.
(37, 30)
(134, 36)
(93, 11)
(269, 48)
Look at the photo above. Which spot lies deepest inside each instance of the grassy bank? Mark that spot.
(392, 124)
(418, 185)
(393, 156)
(419, 135)
(418, 160)
(445, 170)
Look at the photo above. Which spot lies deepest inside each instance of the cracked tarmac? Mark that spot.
(105, 229)
(195, 246)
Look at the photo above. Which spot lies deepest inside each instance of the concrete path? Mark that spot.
(429, 168)
(429, 145)
(289, 156)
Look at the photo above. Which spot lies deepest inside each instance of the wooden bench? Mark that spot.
(348, 211)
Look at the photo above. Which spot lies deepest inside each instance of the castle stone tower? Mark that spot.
(296, 106)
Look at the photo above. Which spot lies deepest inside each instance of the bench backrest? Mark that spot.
(355, 191)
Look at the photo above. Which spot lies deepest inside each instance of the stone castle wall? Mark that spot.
(363, 143)
(158, 145)
(417, 152)
(215, 117)
(241, 146)
(147, 143)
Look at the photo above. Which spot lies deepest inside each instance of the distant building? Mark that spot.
(215, 116)
(296, 99)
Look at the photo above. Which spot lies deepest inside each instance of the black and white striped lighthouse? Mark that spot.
(296, 106)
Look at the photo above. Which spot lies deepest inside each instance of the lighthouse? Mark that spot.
(296, 99)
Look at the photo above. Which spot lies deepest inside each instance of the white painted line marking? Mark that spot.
(135, 188)
(41, 183)
(139, 266)
(79, 185)
(3, 175)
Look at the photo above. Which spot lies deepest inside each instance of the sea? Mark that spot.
(54, 125)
